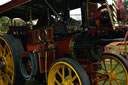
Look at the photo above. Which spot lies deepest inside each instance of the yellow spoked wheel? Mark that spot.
(6, 63)
(114, 70)
(9, 61)
(66, 71)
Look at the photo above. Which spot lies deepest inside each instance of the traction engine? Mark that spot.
(59, 50)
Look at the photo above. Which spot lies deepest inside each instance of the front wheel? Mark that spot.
(66, 71)
(9, 61)
(114, 70)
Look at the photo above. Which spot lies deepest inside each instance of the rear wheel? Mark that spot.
(114, 70)
(9, 62)
(66, 71)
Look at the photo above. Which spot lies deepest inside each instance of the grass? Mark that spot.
(118, 69)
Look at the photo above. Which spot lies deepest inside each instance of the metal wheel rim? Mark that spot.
(111, 75)
(6, 75)
(55, 70)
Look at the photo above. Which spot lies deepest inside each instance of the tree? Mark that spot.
(4, 23)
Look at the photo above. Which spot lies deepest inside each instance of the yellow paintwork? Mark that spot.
(7, 77)
(66, 80)
(115, 70)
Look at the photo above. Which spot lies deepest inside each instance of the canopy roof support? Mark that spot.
(12, 4)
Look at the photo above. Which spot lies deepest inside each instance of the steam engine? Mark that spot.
(59, 50)
(63, 39)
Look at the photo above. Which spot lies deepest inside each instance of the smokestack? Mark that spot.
(84, 12)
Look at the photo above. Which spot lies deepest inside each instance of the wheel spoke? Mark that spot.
(99, 74)
(115, 67)
(105, 66)
(121, 79)
(117, 82)
(1, 47)
(1, 75)
(75, 77)
(111, 65)
(9, 53)
(1, 52)
(63, 73)
(110, 82)
(120, 72)
(104, 82)
(58, 83)
(9, 62)
(8, 78)
(8, 57)
(60, 74)
(10, 70)
(114, 83)
(70, 74)
(4, 54)
(101, 77)
(103, 69)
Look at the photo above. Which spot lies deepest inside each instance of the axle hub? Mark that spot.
(112, 76)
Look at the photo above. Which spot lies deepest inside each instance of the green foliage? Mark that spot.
(3, 23)
(125, 2)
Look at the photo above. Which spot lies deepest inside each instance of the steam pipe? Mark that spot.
(84, 12)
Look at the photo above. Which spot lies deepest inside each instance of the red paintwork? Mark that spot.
(51, 59)
(24, 54)
(49, 34)
(50, 55)
(35, 36)
(121, 11)
(63, 47)
(92, 32)
(31, 48)
(46, 47)
(12, 4)
(127, 59)
(119, 4)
